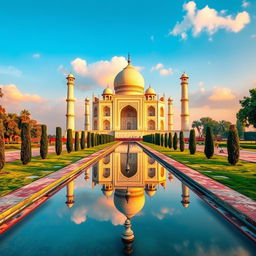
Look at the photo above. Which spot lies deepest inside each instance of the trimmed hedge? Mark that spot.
(82, 140)
(209, 143)
(175, 141)
(69, 141)
(182, 143)
(58, 142)
(77, 144)
(192, 142)
(88, 140)
(44, 142)
(233, 146)
(2, 145)
(25, 152)
(170, 140)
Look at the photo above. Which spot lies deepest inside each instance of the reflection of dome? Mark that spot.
(150, 91)
(70, 201)
(107, 91)
(129, 81)
(129, 202)
(185, 203)
(107, 190)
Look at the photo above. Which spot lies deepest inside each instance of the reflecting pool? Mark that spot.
(162, 216)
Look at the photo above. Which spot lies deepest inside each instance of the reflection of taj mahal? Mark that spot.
(129, 111)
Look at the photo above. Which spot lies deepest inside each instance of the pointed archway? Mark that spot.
(128, 118)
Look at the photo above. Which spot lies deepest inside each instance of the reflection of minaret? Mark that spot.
(150, 189)
(170, 177)
(70, 122)
(86, 175)
(70, 194)
(87, 114)
(185, 195)
(107, 190)
(127, 247)
(170, 114)
(184, 103)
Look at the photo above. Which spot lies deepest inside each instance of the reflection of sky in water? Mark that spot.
(93, 227)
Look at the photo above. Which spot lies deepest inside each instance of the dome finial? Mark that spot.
(129, 58)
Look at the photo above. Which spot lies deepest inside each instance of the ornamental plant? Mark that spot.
(170, 140)
(92, 140)
(82, 140)
(182, 143)
(2, 146)
(25, 153)
(44, 142)
(209, 143)
(175, 141)
(58, 141)
(192, 142)
(233, 145)
(69, 141)
(77, 141)
(165, 140)
(88, 140)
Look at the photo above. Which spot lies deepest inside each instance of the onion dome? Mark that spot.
(150, 91)
(70, 75)
(129, 201)
(129, 81)
(107, 91)
(184, 76)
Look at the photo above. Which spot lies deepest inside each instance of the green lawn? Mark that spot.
(15, 175)
(241, 177)
(12, 147)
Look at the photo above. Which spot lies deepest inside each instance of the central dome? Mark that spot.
(129, 81)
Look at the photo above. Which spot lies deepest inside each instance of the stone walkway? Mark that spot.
(20, 198)
(240, 204)
(14, 155)
(249, 156)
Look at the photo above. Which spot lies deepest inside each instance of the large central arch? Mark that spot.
(129, 118)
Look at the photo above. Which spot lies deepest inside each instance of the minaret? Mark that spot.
(70, 194)
(184, 103)
(170, 114)
(87, 114)
(185, 195)
(70, 123)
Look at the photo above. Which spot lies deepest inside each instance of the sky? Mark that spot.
(213, 41)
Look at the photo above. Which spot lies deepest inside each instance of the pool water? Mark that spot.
(87, 216)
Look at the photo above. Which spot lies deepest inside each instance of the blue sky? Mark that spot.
(40, 39)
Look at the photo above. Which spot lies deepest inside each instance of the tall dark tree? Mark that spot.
(77, 141)
(182, 143)
(175, 141)
(2, 154)
(92, 139)
(166, 140)
(44, 142)
(69, 140)
(233, 145)
(162, 140)
(209, 143)
(82, 140)
(88, 139)
(170, 140)
(192, 142)
(58, 141)
(25, 153)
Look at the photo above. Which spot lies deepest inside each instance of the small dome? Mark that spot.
(129, 81)
(150, 91)
(185, 204)
(107, 91)
(87, 99)
(107, 193)
(70, 75)
(150, 193)
(184, 75)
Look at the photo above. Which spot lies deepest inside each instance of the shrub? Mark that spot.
(2, 154)
(25, 153)
(69, 141)
(44, 142)
(162, 140)
(209, 143)
(182, 143)
(88, 139)
(170, 140)
(82, 140)
(233, 145)
(165, 140)
(192, 142)
(58, 141)
(76, 141)
(92, 140)
(175, 141)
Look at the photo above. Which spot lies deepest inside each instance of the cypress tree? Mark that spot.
(162, 140)
(25, 153)
(43, 142)
(165, 140)
(192, 142)
(58, 141)
(88, 139)
(175, 141)
(233, 145)
(182, 143)
(92, 140)
(69, 140)
(76, 141)
(82, 140)
(209, 143)
(170, 140)
(100, 139)
(2, 146)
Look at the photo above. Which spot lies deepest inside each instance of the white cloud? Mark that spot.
(201, 83)
(10, 70)
(162, 70)
(245, 4)
(221, 94)
(157, 67)
(253, 36)
(209, 20)
(184, 36)
(62, 70)
(36, 55)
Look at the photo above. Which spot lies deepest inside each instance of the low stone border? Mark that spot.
(18, 200)
(214, 193)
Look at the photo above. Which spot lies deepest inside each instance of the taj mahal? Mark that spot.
(128, 111)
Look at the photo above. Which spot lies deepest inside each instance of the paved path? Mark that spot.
(227, 196)
(14, 155)
(22, 197)
(249, 156)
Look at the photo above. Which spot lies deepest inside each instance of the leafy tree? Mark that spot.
(233, 145)
(25, 153)
(44, 142)
(82, 140)
(182, 143)
(170, 140)
(192, 142)
(175, 141)
(69, 144)
(223, 127)
(58, 141)
(25, 116)
(198, 125)
(247, 114)
(209, 143)
(76, 141)
(2, 154)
